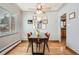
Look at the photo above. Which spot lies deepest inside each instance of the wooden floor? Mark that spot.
(56, 48)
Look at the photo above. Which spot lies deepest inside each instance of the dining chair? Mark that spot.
(46, 42)
(28, 35)
(30, 42)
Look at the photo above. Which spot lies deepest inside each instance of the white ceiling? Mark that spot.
(46, 6)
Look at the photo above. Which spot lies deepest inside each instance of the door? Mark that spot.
(63, 28)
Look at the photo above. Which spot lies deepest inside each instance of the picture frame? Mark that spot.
(45, 21)
(39, 26)
(43, 26)
(30, 21)
(72, 15)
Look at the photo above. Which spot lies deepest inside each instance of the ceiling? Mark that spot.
(46, 6)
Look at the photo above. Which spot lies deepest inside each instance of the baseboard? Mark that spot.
(75, 53)
(53, 40)
(49, 41)
(24, 40)
(8, 49)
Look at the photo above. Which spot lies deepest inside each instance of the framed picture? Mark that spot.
(39, 26)
(43, 26)
(72, 15)
(30, 21)
(45, 21)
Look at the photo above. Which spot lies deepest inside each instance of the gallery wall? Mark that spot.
(52, 26)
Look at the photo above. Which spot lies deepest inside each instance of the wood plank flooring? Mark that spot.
(56, 48)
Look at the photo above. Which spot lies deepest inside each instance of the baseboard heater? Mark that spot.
(4, 51)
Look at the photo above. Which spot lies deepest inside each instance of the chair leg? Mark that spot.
(47, 47)
(28, 46)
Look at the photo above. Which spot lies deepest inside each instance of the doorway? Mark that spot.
(63, 28)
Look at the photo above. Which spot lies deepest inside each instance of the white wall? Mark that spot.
(52, 26)
(72, 40)
(14, 9)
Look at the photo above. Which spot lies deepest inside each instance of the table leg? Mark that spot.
(44, 48)
(39, 45)
(32, 47)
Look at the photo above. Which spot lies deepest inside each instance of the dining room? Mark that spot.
(35, 29)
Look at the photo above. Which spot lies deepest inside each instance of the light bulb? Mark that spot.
(39, 7)
(39, 12)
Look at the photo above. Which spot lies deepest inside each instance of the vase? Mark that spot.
(37, 33)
